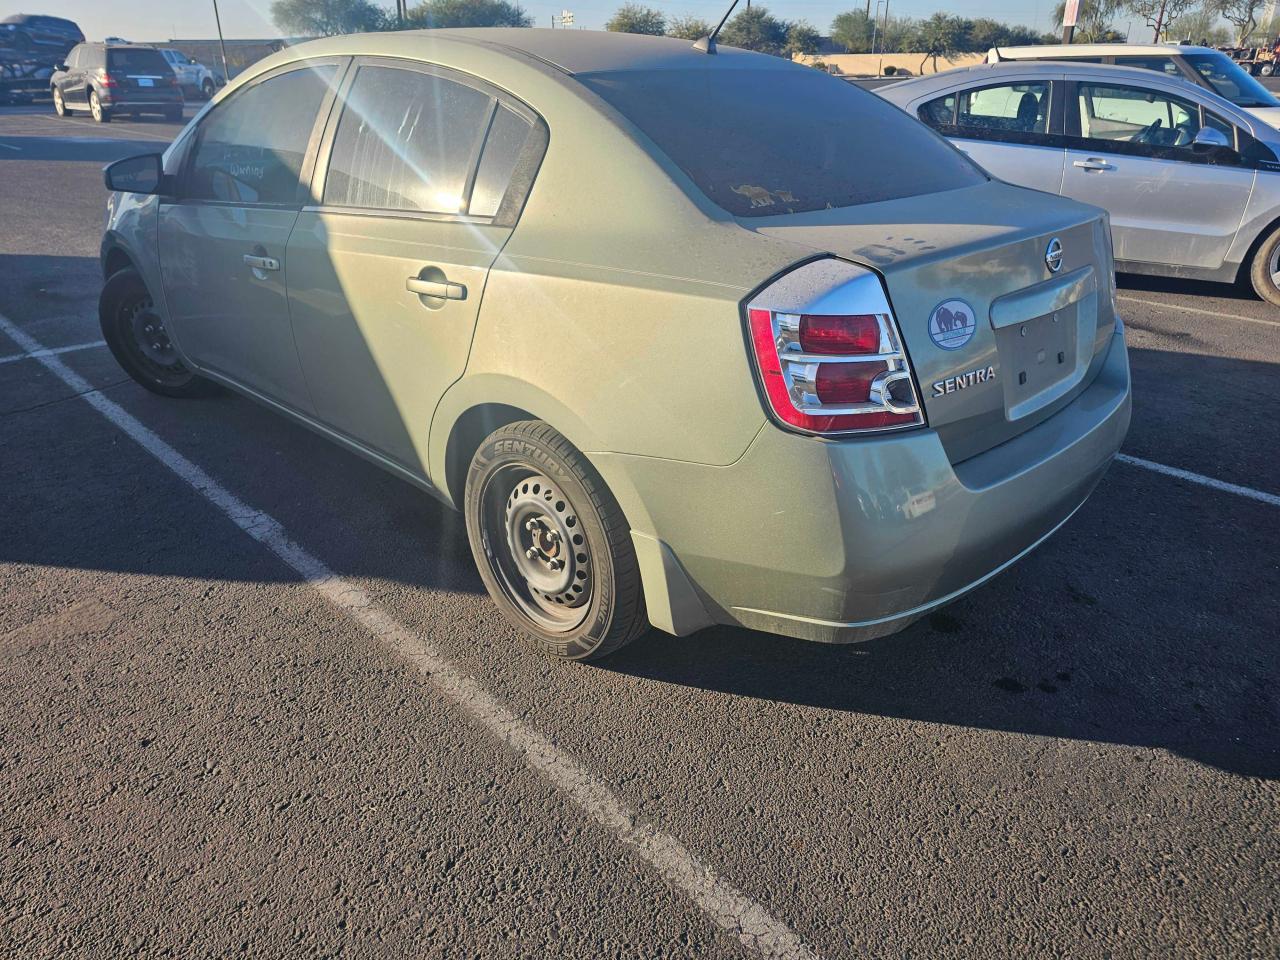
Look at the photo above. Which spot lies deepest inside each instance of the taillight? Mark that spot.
(106, 80)
(829, 353)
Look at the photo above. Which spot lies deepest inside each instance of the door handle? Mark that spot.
(435, 288)
(1092, 164)
(261, 263)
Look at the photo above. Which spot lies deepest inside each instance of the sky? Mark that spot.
(149, 20)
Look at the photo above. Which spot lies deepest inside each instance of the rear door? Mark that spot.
(1131, 152)
(1013, 129)
(223, 240)
(387, 271)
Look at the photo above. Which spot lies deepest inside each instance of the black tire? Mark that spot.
(136, 336)
(97, 110)
(1264, 269)
(598, 606)
(207, 89)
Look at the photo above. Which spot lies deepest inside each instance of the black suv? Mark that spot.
(33, 33)
(108, 79)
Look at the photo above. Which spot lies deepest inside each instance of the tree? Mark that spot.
(688, 28)
(852, 30)
(1159, 14)
(468, 13)
(1204, 25)
(327, 18)
(755, 29)
(1241, 14)
(899, 35)
(985, 33)
(941, 35)
(635, 18)
(801, 39)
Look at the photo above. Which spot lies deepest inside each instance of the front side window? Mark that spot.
(1111, 115)
(406, 141)
(251, 148)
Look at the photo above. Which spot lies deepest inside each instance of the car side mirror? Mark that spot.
(61, 67)
(141, 174)
(1208, 139)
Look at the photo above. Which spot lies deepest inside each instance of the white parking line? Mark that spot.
(730, 908)
(51, 351)
(1239, 491)
(1207, 313)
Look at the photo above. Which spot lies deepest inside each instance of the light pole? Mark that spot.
(875, 24)
(226, 71)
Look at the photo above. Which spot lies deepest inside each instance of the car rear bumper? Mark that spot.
(844, 541)
(159, 99)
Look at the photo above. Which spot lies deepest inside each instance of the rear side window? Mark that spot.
(406, 141)
(137, 61)
(250, 149)
(502, 149)
(765, 142)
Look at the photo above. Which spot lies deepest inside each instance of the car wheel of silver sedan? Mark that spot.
(552, 545)
(1264, 271)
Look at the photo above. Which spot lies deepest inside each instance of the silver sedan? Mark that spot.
(1191, 181)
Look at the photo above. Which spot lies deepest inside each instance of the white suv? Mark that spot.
(194, 77)
(1203, 66)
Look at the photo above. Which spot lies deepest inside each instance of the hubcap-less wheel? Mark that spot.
(542, 559)
(145, 338)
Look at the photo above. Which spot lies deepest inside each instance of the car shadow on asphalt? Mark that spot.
(1136, 282)
(1147, 621)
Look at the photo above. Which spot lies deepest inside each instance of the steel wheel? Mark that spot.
(537, 548)
(551, 544)
(143, 335)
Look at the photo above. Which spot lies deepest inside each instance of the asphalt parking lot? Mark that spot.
(206, 753)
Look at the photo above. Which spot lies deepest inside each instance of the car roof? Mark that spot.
(593, 51)
(1070, 51)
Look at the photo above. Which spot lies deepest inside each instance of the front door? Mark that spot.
(1131, 153)
(387, 274)
(223, 241)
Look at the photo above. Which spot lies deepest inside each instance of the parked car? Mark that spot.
(107, 80)
(1191, 181)
(1205, 67)
(781, 358)
(193, 76)
(34, 33)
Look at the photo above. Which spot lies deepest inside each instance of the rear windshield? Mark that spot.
(760, 143)
(137, 61)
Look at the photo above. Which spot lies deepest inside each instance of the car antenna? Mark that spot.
(708, 43)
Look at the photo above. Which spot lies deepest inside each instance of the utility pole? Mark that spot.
(222, 45)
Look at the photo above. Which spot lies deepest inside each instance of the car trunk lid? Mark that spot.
(997, 338)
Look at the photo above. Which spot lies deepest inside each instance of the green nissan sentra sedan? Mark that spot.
(690, 338)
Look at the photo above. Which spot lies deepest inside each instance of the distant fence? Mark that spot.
(874, 64)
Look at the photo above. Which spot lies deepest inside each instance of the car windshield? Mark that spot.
(137, 61)
(1229, 81)
(762, 143)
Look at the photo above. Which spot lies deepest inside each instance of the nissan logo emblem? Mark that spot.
(1053, 255)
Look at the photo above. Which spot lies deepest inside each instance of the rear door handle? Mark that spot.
(261, 263)
(435, 288)
(1092, 164)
